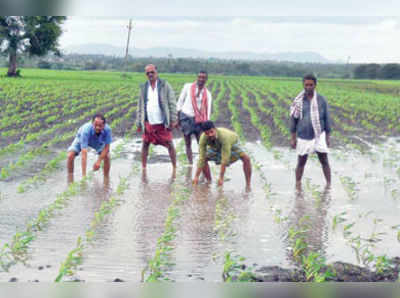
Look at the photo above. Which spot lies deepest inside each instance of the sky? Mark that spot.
(361, 30)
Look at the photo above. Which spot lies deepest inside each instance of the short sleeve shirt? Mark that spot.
(88, 138)
(223, 143)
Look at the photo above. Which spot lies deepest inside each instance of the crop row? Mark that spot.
(16, 250)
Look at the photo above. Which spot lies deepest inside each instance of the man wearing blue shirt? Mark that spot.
(97, 135)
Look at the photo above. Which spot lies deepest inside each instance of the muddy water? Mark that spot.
(213, 221)
(16, 209)
(52, 244)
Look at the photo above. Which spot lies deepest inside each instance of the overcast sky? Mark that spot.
(338, 30)
(234, 7)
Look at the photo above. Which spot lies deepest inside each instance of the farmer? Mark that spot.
(97, 135)
(310, 128)
(156, 115)
(222, 146)
(194, 107)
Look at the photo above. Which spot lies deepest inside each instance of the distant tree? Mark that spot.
(243, 68)
(44, 64)
(58, 65)
(34, 35)
(367, 71)
(391, 71)
(92, 65)
(359, 72)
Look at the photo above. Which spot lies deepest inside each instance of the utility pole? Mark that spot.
(347, 67)
(129, 37)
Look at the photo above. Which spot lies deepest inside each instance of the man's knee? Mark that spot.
(245, 158)
(71, 156)
(188, 140)
(302, 160)
(324, 162)
(145, 145)
(323, 159)
(169, 145)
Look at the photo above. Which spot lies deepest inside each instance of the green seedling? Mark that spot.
(75, 256)
(157, 265)
(338, 219)
(315, 268)
(362, 246)
(278, 217)
(156, 268)
(235, 270)
(382, 263)
(397, 229)
(350, 186)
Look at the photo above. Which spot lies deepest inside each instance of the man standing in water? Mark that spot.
(194, 107)
(97, 135)
(156, 115)
(310, 127)
(222, 146)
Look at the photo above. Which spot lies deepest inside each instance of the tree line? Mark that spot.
(389, 71)
(216, 66)
(184, 65)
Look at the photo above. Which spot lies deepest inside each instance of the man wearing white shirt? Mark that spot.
(156, 115)
(194, 108)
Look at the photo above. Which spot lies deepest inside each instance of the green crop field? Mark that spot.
(41, 112)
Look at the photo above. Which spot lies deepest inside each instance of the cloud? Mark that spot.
(190, 8)
(364, 39)
(167, 25)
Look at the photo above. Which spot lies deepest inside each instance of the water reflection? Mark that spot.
(105, 185)
(153, 200)
(145, 179)
(102, 190)
(307, 226)
(198, 229)
(188, 175)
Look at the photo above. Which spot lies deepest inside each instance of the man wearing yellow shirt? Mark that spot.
(222, 146)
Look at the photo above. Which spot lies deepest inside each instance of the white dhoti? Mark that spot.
(304, 147)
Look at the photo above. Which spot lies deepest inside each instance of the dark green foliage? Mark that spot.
(34, 35)
(389, 71)
(367, 71)
(44, 64)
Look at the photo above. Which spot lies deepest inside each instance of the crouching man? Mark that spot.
(97, 135)
(220, 145)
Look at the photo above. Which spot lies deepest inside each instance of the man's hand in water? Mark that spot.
(96, 166)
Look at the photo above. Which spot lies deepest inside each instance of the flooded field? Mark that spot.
(159, 227)
(210, 221)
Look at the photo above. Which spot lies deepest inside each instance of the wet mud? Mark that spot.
(341, 272)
